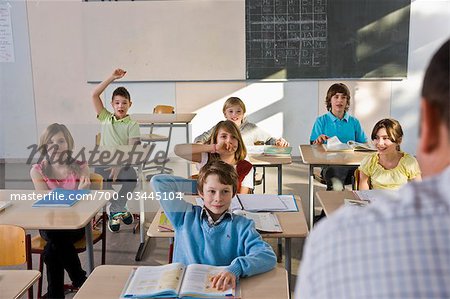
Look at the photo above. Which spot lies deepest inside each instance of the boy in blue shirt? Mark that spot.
(337, 122)
(212, 234)
(117, 129)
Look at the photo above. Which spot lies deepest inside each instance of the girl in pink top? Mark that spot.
(59, 170)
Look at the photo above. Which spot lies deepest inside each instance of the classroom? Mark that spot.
(194, 55)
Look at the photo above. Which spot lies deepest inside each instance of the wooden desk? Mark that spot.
(108, 281)
(164, 120)
(14, 283)
(333, 200)
(21, 213)
(316, 156)
(260, 160)
(293, 225)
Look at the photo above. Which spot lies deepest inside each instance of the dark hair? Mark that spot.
(393, 130)
(227, 174)
(230, 127)
(334, 89)
(435, 89)
(121, 91)
(233, 101)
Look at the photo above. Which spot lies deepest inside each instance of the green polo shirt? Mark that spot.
(117, 131)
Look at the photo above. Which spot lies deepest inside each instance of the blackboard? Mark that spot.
(296, 39)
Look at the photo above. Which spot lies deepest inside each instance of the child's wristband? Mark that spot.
(214, 150)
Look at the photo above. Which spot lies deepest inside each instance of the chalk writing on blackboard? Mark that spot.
(296, 39)
(282, 33)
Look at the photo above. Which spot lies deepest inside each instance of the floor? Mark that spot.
(122, 246)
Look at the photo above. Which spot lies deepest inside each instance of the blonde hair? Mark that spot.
(230, 127)
(233, 101)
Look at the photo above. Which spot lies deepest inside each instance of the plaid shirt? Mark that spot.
(394, 248)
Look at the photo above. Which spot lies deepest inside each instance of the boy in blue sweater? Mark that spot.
(213, 235)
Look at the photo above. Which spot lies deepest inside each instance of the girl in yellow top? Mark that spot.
(389, 167)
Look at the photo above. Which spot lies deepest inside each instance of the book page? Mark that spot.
(334, 144)
(265, 222)
(374, 195)
(357, 146)
(155, 280)
(196, 282)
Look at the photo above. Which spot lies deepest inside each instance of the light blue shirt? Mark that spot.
(233, 243)
(395, 247)
(347, 128)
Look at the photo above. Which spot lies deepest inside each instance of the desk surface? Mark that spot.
(14, 283)
(333, 200)
(264, 160)
(292, 223)
(21, 212)
(156, 118)
(316, 155)
(108, 281)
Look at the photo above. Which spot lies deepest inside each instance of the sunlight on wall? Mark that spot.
(366, 103)
(273, 125)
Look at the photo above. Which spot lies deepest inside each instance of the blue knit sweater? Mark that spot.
(233, 243)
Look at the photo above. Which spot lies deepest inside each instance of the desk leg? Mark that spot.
(311, 196)
(287, 262)
(188, 141)
(143, 240)
(89, 248)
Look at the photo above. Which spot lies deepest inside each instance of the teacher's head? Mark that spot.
(434, 146)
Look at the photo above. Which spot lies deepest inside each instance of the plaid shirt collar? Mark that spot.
(211, 222)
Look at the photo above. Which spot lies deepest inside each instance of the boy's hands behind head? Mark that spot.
(223, 281)
(118, 73)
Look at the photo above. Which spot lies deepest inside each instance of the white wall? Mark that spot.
(287, 109)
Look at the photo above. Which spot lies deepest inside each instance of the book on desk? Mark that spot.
(335, 145)
(61, 198)
(175, 281)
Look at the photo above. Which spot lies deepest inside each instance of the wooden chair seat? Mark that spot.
(38, 243)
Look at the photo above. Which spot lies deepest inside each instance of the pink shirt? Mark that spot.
(69, 183)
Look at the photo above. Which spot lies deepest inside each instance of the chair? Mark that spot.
(15, 248)
(38, 243)
(151, 137)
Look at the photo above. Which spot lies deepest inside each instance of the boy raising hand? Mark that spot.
(211, 234)
(117, 129)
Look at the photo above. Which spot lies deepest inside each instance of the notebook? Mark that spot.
(61, 198)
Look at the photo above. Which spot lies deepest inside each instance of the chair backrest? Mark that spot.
(164, 109)
(14, 249)
(96, 181)
(98, 136)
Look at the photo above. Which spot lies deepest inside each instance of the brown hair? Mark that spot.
(47, 135)
(226, 173)
(230, 127)
(435, 89)
(233, 101)
(334, 89)
(393, 130)
(121, 91)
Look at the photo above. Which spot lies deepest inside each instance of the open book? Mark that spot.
(174, 280)
(264, 222)
(335, 145)
(164, 224)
